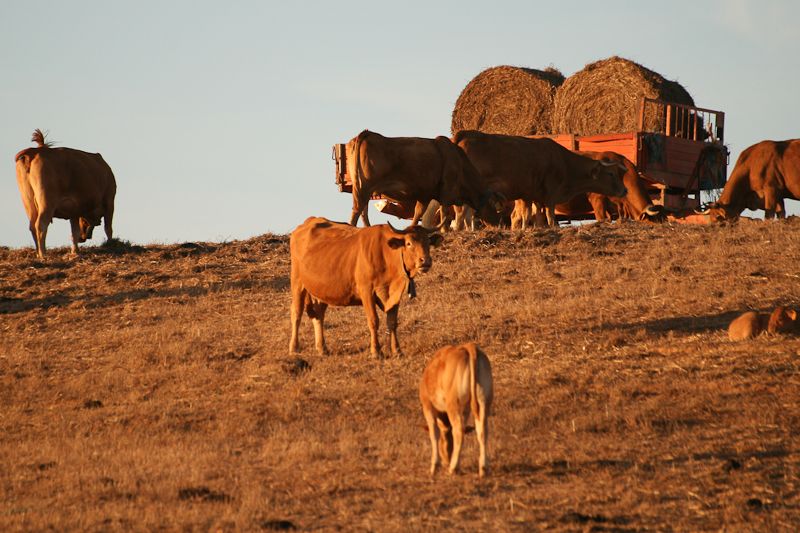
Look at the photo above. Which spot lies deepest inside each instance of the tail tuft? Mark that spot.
(41, 138)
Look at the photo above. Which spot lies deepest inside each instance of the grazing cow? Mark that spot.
(764, 175)
(457, 381)
(635, 204)
(337, 264)
(64, 183)
(538, 170)
(412, 170)
(752, 324)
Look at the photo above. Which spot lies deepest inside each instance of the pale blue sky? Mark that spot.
(218, 117)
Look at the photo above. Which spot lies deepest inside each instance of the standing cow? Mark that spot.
(457, 382)
(413, 171)
(337, 264)
(538, 170)
(764, 175)
(64, 183)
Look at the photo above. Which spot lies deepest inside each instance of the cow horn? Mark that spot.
(607, 163)
(393, 228)
(653, 210)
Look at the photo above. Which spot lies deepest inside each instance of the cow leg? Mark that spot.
(75, 226)
(298, 299)
(42, 221)
(433, 433)
(598, 204)
(461, 212)
(770, 203)
(372, 322)
(469, 218)
(525, 211)
(317, 313)
(107, 221)
(32, 228)
(516, 220)
(419, 210)
(429, 215)
(550, 212)
(391, 322)
(482, 431)
(457, 427)
(445, 440)
(539, 217)
(447, 218)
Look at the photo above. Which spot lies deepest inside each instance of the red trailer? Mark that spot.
(667, 159)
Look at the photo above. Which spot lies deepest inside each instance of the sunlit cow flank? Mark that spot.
(765, 174)
(538, 170)
(413, 171)
(752, 324)
(64, 183)
(457, 381)
(341, 265)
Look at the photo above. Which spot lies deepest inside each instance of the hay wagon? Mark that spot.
(666, 156)
(665, 148)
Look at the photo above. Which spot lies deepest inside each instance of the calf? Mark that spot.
(457, 381)
(752, 324)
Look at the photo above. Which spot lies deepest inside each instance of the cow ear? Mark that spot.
(394, 242)
(436, 239)
(792, 314)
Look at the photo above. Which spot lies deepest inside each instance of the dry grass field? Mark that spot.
(150, 388)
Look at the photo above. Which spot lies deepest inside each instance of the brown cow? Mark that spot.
(457, 381)
(537, 170)
(764, 175)
(635, 204)
(64, 183)
(752, 324)
(412, 170)
(337, 264)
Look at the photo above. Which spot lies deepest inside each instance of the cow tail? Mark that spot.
(358, 172)
(473, 378)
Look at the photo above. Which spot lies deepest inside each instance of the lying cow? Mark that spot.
(337, 264)
(538, 170)
(64, 183)
(457, 381)
(414, 171)
(752, 324)
(765, 174)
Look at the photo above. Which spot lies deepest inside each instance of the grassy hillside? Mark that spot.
(150, 388)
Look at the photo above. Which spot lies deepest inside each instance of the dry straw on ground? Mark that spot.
(604, 98)
(150, 388)
(508, 100)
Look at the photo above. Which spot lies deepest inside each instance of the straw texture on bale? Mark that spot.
(508, 100)
(604, 98)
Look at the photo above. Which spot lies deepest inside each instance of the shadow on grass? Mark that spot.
(683, 324)
(12, 305)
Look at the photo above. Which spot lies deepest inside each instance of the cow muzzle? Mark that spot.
(423, 265)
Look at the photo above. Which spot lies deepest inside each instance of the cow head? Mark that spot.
(491, 207)
(87, 226)
(718, 212)
(782, 320)
(415, 245)
(608, 176)
(653, 213)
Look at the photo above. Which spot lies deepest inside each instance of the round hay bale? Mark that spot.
(604, 98)
(508, 100)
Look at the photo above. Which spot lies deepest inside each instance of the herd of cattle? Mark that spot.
(485, 172)
(338, 264)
